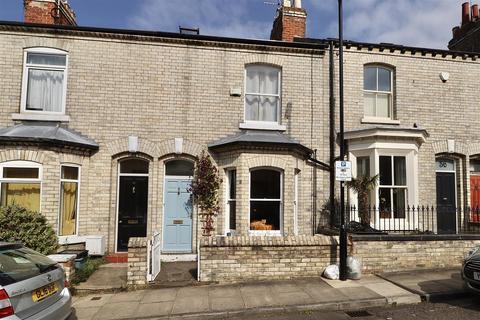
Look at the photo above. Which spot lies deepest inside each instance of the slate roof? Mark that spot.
(260, 138)
(48, 134)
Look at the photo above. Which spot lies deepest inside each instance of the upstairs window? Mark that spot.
(262, 93)
(378, 97)
(44, 80)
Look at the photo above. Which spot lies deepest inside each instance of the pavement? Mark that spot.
(250, 299)
(431, 285)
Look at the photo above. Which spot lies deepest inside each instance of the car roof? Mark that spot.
(5, 245)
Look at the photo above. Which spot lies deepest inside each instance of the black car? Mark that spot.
(471, 270)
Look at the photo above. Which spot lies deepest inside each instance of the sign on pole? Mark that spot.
(343, 170)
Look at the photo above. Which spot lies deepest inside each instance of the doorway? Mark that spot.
(178, 207)
(132, 201)
(446, 196)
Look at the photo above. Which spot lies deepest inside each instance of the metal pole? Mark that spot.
(343, 231)
(332, 136)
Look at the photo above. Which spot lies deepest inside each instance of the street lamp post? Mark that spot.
(343, 231)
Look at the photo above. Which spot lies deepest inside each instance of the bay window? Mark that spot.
(20, 184)
(69, 191)
(231, 216)
(265, 201)
(44, 81)
(262, 93)
(392, 191)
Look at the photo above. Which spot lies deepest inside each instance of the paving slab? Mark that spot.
(227, 303)
(108, 277)
(154, 309)
(163, 295)
(431, 284)
(191, 304)
(117, 310)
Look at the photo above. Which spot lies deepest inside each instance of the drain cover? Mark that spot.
(358, 314)
(96, 298)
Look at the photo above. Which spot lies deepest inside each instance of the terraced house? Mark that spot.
(101, 128)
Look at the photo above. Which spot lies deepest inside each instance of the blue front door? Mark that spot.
(177, 216)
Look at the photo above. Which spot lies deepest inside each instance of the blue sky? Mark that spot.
(426, 23)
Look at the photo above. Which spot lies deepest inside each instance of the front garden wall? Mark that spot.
(239, 259)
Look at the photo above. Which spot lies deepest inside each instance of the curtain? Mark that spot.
(45, 90)
(26, 195)
(262, 80)
(69, 208)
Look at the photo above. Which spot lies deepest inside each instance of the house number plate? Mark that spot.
(177, 221)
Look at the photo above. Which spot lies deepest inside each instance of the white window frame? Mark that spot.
(392, 185)
(26, 68)
(257, 124)
(228, 230)
(265, 232)
(375, 118)
(78, 198)
(374, 151)
(22, 164)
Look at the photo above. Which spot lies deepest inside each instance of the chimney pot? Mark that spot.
(465, 13)
(475, 12)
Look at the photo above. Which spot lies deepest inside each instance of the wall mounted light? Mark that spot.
(444, 76)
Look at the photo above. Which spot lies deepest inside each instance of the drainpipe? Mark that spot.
(332, 134)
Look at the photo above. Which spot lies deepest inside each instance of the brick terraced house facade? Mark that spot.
(101, 128)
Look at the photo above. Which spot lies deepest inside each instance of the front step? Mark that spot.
(181, 257)
(119, 257)
(177, 274)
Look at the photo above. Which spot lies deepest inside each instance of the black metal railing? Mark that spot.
(414, 220)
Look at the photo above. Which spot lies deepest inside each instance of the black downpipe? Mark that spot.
(332, 135)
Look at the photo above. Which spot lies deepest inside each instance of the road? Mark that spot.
(464, 309)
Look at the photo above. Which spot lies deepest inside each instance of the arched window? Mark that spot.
(20, 183)
(265, 200)
(262, 93)
(378, 91)
(134, 166)
(179, 168)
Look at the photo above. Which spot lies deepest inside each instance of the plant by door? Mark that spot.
(205, 187)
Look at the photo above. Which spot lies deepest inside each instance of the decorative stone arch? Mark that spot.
(264, 58)
(441, 147)
(266, 161)
(54, 43)
(71, 158)
(120, 146)
(474, 148)
(383, 60)
(38, 156)
(167, 147)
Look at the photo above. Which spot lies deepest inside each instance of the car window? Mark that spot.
(21, 263)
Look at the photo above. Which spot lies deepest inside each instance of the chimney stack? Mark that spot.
(290, 21)
(465, 13)
(49, 12)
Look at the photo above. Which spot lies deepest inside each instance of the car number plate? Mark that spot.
(44, 292)
(476, 275)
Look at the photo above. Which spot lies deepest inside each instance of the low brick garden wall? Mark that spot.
(137, 262)
(237, 259)
(399, 253)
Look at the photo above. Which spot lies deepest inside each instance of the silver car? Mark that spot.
(471, 270)
(32, 287)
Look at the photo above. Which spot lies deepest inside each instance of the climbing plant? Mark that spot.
(205, 188)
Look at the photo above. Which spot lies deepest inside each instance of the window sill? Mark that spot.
(260, 125)
(380, 120)
(40, 117)
(261, 233)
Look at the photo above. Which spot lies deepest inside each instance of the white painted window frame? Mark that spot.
(375, 118)
(280, 200)
(392, 185)
(78, 199)
(27, 67)
(229, 231)
(265, 125)
(374, 151)
(22, 164)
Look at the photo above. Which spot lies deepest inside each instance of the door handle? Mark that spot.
(178, 191)
(120, 221)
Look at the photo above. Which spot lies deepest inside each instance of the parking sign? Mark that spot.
(343, 170)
